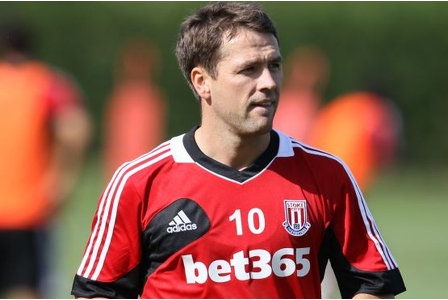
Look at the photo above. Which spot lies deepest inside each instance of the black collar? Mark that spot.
(209, 163)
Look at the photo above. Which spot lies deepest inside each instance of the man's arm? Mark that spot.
(72, 131)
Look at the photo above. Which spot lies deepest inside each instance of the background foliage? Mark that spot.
(402, 44)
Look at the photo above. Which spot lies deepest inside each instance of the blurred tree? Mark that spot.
(406, 40)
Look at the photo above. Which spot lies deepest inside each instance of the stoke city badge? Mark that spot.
(296, 222)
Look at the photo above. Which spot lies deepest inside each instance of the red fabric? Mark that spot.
(142, 189)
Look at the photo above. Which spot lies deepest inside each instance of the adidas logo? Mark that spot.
(181, 223)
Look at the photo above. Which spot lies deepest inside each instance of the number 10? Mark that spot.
(253, 215)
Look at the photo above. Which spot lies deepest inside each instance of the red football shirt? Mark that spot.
(176, 224)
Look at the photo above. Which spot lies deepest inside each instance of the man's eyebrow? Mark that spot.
(251, 62)
(277, 59)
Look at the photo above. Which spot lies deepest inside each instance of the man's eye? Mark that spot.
(248, 69)
(275, 66)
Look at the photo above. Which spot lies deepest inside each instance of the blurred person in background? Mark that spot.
(135, 117)
(306, 72)
(44, 134)
(364, 129)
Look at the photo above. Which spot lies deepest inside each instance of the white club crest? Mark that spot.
(296, 222)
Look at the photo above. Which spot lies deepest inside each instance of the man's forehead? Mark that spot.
(248, 42)
(245, 35)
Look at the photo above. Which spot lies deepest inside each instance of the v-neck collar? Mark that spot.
(223, 170)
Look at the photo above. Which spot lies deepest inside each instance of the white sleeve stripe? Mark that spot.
(376, 237)
(103, 210)
(94, 232)
(111, 185)
(113, 197)
(115, 209)
(100, 212)
(370, 223)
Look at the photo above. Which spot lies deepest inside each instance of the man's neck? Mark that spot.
(230, 149)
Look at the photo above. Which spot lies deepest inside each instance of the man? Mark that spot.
(306, 77)
(233, 209)
(44, 132)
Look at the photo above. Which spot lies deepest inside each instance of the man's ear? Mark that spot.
(200, 80)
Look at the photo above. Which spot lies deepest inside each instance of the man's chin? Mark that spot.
(258, 130)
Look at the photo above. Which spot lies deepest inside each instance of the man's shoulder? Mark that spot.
(171, 151)
(307, 155)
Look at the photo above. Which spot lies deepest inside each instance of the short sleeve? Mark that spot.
(111, 263)
(360, 258)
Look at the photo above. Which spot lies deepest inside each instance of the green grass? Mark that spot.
(409, 205)
(73, 228)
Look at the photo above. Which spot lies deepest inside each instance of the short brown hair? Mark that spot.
(201, 34)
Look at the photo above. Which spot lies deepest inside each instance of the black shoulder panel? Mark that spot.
(352, 281)
(173, 228)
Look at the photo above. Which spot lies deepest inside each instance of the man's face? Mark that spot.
(244, 95)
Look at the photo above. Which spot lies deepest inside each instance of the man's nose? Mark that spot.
(268, 80)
